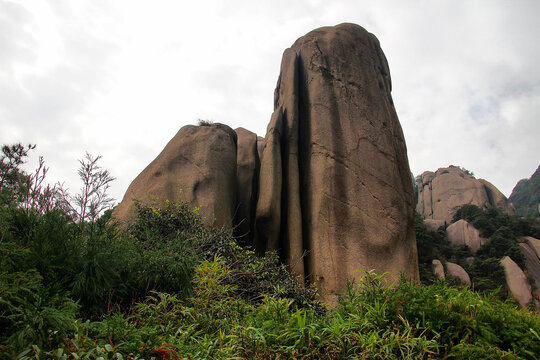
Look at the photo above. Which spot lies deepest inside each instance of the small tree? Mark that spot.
(93, 199)
(13, 180)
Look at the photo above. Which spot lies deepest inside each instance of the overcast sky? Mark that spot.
(120, 78)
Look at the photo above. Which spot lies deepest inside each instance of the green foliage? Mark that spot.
(169, 287)
(526, 196)
(13, 181)
(31, 313)
(490, 220)
(174, 235)
(501, 229)
(485, 271)
(431, 245)
(372, 321)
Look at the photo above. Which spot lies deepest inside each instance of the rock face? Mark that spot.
(458, 272)
(463, 233)
(440, 192)
(199, 166)
(532, 262)
(516, 282)
(533, 243)
(335, 164)
(438, 268)
(333, 194)
(247, 183)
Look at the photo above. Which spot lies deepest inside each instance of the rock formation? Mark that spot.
(334, 194)
(516, 282)
(340, 196)
(458, 272)
(247, 182)
(463, 233)
(198, 166)
(532, 260)
(533, 243)
(438, 268)
(440, 192)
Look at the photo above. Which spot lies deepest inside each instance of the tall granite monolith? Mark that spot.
(335, 190)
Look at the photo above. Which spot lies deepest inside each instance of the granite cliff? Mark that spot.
(442, 191)
(328, 187)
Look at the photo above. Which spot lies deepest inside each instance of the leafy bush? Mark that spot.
(431, 245)
(31, 313)
(372, 321)
(174, 234)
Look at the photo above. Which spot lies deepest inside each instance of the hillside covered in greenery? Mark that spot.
(487, 275)
(526, 196)
(75, 285)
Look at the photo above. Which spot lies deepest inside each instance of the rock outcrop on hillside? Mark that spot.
(463, 233)
(197, 166)
(516, 281)
(334, 194)
(438, 268)
(532, 262)
(458, 272)
(440, 192)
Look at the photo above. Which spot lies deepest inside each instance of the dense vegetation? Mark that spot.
(526, 196)
(503, 232)
(75, 285)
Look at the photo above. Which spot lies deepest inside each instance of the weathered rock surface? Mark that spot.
(438, 268)
(434, 225)
(199, 166)
(533, 243)
(335, 183)
(497, 198)
(440, 192)
(463, 233)
(458, 272)
(532, 262)
(516, 281)
(247, 182)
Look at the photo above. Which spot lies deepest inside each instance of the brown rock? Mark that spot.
(199, 166)
(335, 183)
(516, 282)
(463, 233)
(247, 182)
(497, 198)
(440, 193)
(532, 262)
(438, 268)
(533, 243)
(260, 146)
(434, 225)
(458, 272)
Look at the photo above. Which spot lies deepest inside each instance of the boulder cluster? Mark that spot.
(440, 193)
(329, 185)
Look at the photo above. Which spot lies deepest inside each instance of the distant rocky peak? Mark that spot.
(442, 191)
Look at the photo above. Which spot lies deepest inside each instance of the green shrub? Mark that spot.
(31, 313)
